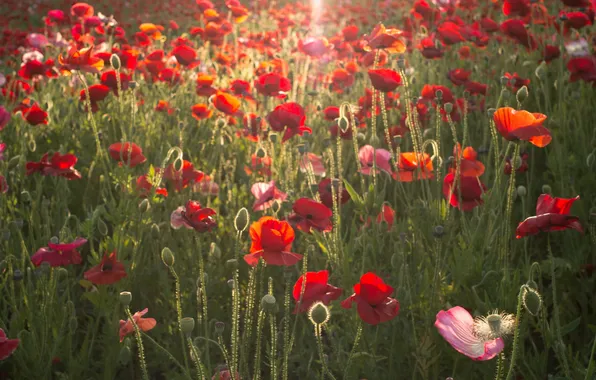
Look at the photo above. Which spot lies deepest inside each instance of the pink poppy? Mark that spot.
(266, 195)
(312, 160)
(193, 216)
(367, 157)
(456, 325)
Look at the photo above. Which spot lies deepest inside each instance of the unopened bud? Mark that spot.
(125, 298)
(260, 153)
(590, 159)
(343, 124)
(102, 227)
(167, 257)
(268, 303)
(125, 355)
(448, 107)
(522, 94)
(318, 314)
(14, 161)
(187, 325)
(374, 140)
(532, 300)
(115, 62)
(522, 191)
(72, 324)
(546, 189)
(25, 197)
(273, 137)
(540, 71)
(132, 85)
(439, 94)
(232, 264)
(438, 231)
(155, 231)
(504, 81)
(144, 206)
(219, 327)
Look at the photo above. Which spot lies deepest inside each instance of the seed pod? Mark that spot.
(125, 298)
(187, 325)
(522, 191)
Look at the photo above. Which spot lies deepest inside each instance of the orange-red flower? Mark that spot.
(144, 324)
(271, 240)
(390, 40)
(226, 103)
(316, 289)
(413, 168)
(522, 125)
(371, 296)
(80, 60)
(127, 153)
(201, 111)
(108, 271)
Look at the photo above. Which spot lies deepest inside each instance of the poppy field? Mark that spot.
(235, 189)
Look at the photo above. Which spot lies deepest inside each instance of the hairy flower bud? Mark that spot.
(167, 257)
(268, 303)
(531, 300)
(187, 324)
(319, 314)
(115, 62)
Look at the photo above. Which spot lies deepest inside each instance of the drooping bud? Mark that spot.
(155, 231)
(232, 264)
(167, 257)
(102, 227)
(144, 206)
(343, 124)
(219, 327)
(531, 300)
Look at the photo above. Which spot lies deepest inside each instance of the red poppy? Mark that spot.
(164, 106)
(59, 166)
(371, 296)
(476, 88)
(522, 125)
(552, 214)
(97, 93)
(258, 165)
(341, 79)
(450, 33)
(144, 324)
(384, 80)
(3, 185)
(59, 254)
(387, 216)
(470, 189)
(550, 53)
(326, 193)
(266, 195)
(412, 168)
(273, 84)
(201, 111)
(127, 153)
(240, 88)
(271, 240)
(226, 103)
(204, 85)
(431, 48)
(583, 68)
(516, 30)
(288, 116)
(80, 60)
(185, 55)
(109, 79)
(34, 68)
(313, 46)
(469, 165)
(7, 346)
(193, 216)
(32, 113)
(108, 271)
(312, 163)
(316, 289)
(309, 214)
(429, 92)
(576, 3)
(391, 40)
(350, 33)
(516, 8)
(516, 82)
(574, 20)
(143, 187)
(458, 76)
(188, 175)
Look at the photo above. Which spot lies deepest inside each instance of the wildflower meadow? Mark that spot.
(317, 189)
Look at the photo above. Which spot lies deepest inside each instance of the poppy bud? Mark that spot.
(61, 272)
(438, 231)
(522, 94)
(546, 189)
(360, 137)
(214, 251)
(102, 227)
(401, 63)
(221, 123)
(115, 62)
(428, 133)
(125, 355)
(531, 300)
(504, 81)
(125, 298)
(590, 159)
(312, 93)
(17, 275)
(187, 324)
(318, 314)
(395, 261)
(504, 93)
(167, 257)
(232, 264)
(303, 148)
(490, 112)
(25, 197)
(314, 187)
(268, 303)
(219, 327)
(14, 161)
(241, 220)
(45, 267)
(273, 137)
(374, 140)
(540, 71)
(155, 232)
(54, 240)
(439, 94)
(144, 206)
(343, 124)
(231, 284)
(132, 84)
(522, 191)
(260, 152)
(397, 139)
(448, 107)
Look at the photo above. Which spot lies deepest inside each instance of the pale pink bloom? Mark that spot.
(266, 195)
(2, 80)
(206, 186)
(311, 159)
(456, 325)
(32, 55)
(37, 40)
(367, 155)
(145, 324)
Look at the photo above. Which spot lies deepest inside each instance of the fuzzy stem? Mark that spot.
(356, 341)
(139, 344)
(318, 330)
(179, 312)
(516, 334)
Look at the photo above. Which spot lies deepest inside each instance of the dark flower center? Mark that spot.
(107, 267)
(309, 216)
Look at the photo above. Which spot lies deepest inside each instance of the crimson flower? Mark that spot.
(193, 216)
(144, 324)
(97, 93)
(110, 79)
(552, 214)
(266, 195)
(373, 303)
(288, 116)
(59, 166)
(4, 117)
(326, 193)
(273, 84)
(309, 214)
(7, 346)
(188, 175)
(127, 153)
(59, 254)
(185, 55)
(143, 187)
(384, 80)
(32, 113)
(316, 289)
(471, 191)
(108, 271)
(271, 240)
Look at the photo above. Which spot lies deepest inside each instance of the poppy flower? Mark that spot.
(469, 165)
(109, 78)
(288, 116)
(266, 195)
(314, 46)
(312, 162)
(164, 106)
(32, 113)
(143, 187)
(384, 80)
(450, 33)
(7, 346)
(97, 93)
(515, 82)
(583, 68)
(226, 103)
(476, 88)
(108, 271)
(387, 216)
(193, 216)
(309, 214)
(4, 118)
(412, 168)
(429, 92)
(201, 111)
(185, 55)
(206, 186)
(144, 324)
(341, 79)
(181, 179)
(273, 84)
(326, 193)
(552, 214)
(271, 240)
(316, 289)
(81, 10)
(350, 33)
(369, 157)
(240, 88)
(471, 191)
(373, 303)
(457, 326)
(127, 153)
(458, 76)
(522, 125)
(259, 165)
(59, 254)
(516, 8)
(80, 60)
(390, 40)
(61, 165)
(32, 68)
(225, 374)
(2, 149)
(516, 30)
(3, 185)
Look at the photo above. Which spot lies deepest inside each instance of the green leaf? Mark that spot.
(354, 195)
(571, 326)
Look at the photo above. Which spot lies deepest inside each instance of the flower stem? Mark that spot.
(139, 344)
(516, 334)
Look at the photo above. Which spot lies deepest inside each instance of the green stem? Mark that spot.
(516, 334)
(139, 344)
